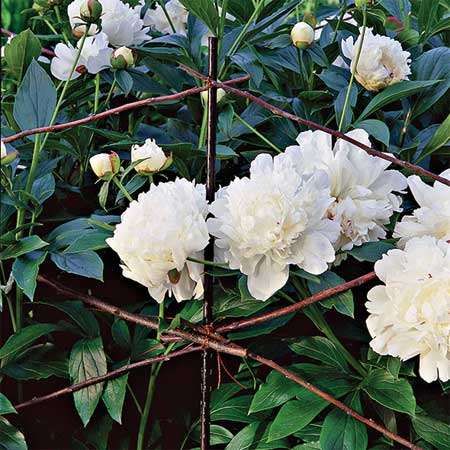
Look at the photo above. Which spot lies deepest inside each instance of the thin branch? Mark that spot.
(230, 348)
(330, 399)
(117, 110)
(108, 376)
(279, 112)
(322, 295)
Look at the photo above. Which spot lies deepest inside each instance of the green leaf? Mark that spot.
(321, 349)
(6, 406)
(89, 240)
(10, 437)
(370, 251)
(274, 392)
(342, 302)
(26, 336)
(433, 431)
(87, 263)
(24, 245)
(25, 270)
(295, 415)
(36, 98)
(439, 139)
(121, 334)
(396, 394)
(20, 52)
(80, 315)
(87, 360)
(205, 11)
(393, 93)
(234, 409)
(114, 395)
(218, 435)
(246, 437)
(341, 431)
(376, 128)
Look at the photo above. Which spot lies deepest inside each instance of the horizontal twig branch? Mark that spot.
(108, 376)
(228, 348)
(310, 124)
(322, 295)
(117, 110)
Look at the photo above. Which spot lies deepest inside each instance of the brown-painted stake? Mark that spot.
(207, 355)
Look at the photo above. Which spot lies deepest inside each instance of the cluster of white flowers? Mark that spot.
(361, 187)
(382, 61)
(121, 23)
(273, 219)
(410, 313)
(157, 235)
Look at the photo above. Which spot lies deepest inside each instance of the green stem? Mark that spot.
(122, 189)
(111, 90)
(241, 35)
(269, 143)
(340, 19)
(58, 17)
(150, 390)
(97, 92)
(202, 136)
(208, 263)
(222, 19)
(315, 315)
(163, 6)
(353, 71)
(52, 28)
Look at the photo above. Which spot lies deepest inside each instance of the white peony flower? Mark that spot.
(382, 61)
(433, 216)
(273, 219)
(360, 184)
(158, 232)
(157, 19)
(410, 314)
(121, 23)
(153, 155)
(95, 57)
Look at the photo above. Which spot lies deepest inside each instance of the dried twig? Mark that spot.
(108, 376)
(322, 295)
(310, 124)
(230, 348)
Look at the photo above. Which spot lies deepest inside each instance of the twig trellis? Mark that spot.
(210, 338)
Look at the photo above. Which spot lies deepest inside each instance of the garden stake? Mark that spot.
(207, 355)
(228, 348)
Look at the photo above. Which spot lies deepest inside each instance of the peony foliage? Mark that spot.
(116, 207)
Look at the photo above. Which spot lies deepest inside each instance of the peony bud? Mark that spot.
(302, 35)
(90, 11)
(6, 157)
(105, 166)
(153, 156)
(122, 58)
(205, 95)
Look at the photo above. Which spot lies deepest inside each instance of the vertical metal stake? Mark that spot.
(207, 363)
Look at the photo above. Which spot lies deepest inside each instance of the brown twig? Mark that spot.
(108, 376)
(310, 124)
(231, 348)
(330, 399)
(117, 110)
(322, 295)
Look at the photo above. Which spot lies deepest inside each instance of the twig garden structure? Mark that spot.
(210, 337)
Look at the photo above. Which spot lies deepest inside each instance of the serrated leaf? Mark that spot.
(87, 360)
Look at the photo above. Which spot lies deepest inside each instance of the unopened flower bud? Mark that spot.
(220, 95)
(5, 157)
(122, 58)
(302, 35)
(154, 159)
(105, 165)
(90, 11)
